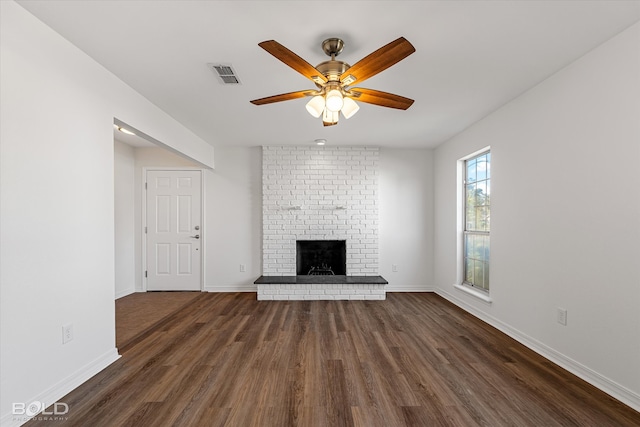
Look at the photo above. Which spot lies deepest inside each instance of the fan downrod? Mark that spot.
(333, 69)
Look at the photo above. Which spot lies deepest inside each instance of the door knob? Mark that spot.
(197, 236)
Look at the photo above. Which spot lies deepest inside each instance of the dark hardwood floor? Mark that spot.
(138, 312)
(412, 360)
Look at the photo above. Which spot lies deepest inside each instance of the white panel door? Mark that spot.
(174, 230)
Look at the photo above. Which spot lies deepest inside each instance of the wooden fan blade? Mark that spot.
(293, 61)
(283, 97)
(383, 99)
(379, 60)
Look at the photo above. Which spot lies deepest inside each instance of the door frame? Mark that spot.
(203, 225)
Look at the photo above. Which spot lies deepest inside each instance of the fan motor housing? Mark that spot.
(332, 70)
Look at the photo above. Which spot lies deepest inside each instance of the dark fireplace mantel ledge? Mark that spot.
(321, 280)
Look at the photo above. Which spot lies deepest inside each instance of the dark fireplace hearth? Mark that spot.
(321, 257)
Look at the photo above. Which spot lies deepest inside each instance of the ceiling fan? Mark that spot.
(333, 79)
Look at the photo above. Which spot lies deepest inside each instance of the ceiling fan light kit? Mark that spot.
(334, 100)
(333, 78)
(329, 117)
(349, 108)
(315, 107)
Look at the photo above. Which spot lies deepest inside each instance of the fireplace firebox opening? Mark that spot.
(321, 257)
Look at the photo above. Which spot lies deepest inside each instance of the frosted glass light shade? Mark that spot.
(334, 100)
(315, 107)
(330, 116)
(349, 108)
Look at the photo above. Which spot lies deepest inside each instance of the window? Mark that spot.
(477, 220)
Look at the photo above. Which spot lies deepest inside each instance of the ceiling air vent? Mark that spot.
(225, 74)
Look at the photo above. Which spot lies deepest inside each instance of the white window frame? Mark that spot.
(460, 283)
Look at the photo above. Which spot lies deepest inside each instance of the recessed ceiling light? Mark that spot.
(320, 141)
(127, 131)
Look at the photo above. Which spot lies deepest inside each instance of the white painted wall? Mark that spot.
(565, 216)
(124, 228)
(57, 207)
(234, 220)
(406, 218)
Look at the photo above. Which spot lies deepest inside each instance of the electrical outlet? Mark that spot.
(67, 333)
(243, 268)
(562, 316)
(394, 268)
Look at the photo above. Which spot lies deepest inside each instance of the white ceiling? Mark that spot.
(471, 57)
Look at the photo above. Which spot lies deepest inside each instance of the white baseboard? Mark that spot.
(125, 292)
(62, 388)
(232, 288)
(410, 288)
(623, 394)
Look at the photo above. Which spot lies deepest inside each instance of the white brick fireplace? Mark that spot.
(320, 193)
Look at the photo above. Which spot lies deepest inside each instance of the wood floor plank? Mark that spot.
(412, 360)
(139, 311)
